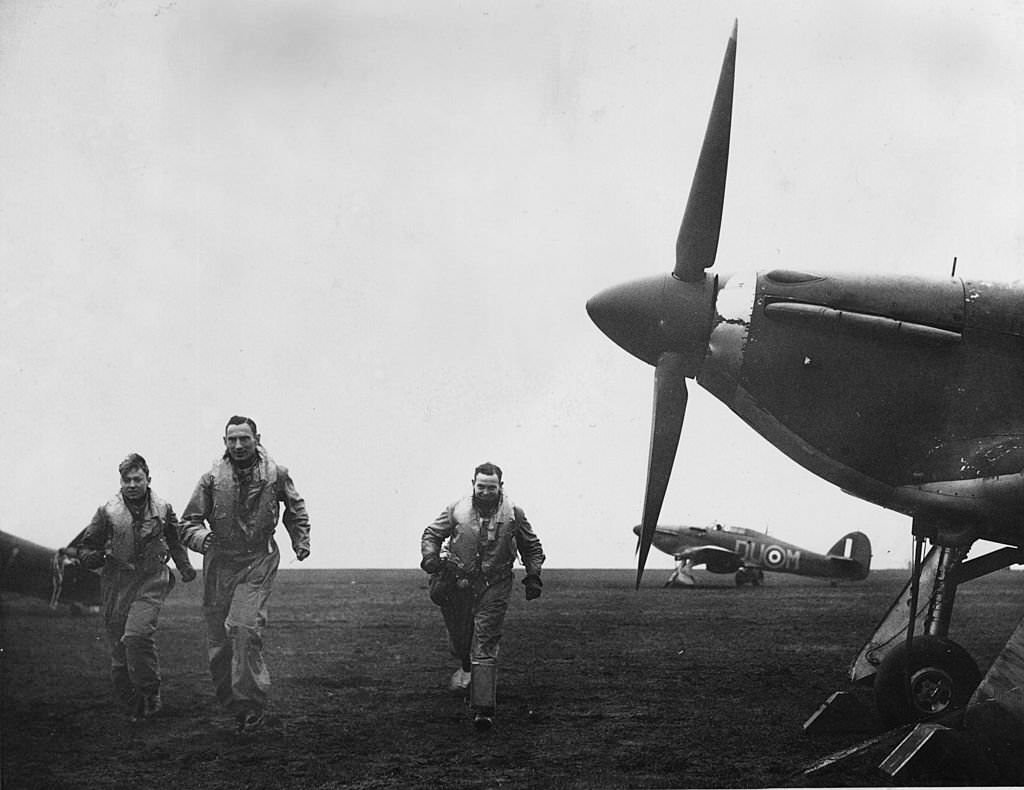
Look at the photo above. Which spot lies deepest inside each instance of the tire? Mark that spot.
(942, 677)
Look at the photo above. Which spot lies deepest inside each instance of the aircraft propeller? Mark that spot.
(666, 320)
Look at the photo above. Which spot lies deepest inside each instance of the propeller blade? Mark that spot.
(697, 244)
(666, 425)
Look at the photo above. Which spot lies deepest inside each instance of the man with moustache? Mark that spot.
(469, 551)
(131, 538)
(231, 519)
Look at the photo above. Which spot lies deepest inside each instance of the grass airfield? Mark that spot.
(600, 686)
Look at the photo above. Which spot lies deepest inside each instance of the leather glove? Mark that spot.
(188, 573)
(533, 587)
(431, 564)
(301, 553)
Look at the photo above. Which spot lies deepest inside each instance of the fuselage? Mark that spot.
(749, 548)
(902, 391)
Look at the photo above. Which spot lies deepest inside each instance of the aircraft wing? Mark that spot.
(715, 558)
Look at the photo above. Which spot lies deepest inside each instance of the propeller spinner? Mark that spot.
(666, 320)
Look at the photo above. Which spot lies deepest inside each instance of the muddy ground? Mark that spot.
(600, 686)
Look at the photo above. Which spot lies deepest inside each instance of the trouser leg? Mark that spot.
(143, 664)
(244, 624)
(124, 693)
(250, 678)
(140, 634)
(218, 652)
(458, 619)
(219, 586)
(488, 620)
(115, 591)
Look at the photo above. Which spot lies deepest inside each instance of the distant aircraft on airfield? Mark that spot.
(29, 569)
(748, 554)
(904, 391)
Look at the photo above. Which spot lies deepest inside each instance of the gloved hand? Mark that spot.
(301, 553)
(533, 587)
(431, 564)
(188, 573)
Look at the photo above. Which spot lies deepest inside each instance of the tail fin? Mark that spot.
(853, 551)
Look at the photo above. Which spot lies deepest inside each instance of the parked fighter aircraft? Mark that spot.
(749, 553)
(936, 431)
(30, 569)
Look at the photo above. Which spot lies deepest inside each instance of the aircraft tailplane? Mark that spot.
(853, 550)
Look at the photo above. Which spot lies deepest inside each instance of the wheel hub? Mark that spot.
(931, 690)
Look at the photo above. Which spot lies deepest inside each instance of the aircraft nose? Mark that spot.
(657, 314)
(630, 315)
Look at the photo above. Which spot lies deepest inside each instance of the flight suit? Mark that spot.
(482, 549)
(238, 510)
(132, 544)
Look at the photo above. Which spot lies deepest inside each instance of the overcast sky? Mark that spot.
(373, 227)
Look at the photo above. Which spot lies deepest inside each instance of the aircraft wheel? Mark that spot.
(942, 677)
(741, 578)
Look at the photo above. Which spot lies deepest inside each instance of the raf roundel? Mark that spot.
(774, 557)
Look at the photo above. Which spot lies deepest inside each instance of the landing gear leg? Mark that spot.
(928, 675)
(936, 672)
(682, 576)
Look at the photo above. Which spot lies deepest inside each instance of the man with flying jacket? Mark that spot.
(231, 519)
(469, 550)
(131, 538)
